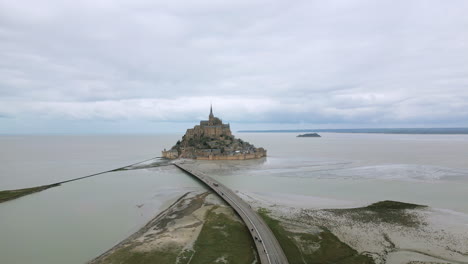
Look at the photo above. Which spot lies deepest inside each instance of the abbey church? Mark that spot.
(213, 127)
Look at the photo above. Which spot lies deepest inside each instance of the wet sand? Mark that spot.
(178, 235)
(435, 236)
(404, 236)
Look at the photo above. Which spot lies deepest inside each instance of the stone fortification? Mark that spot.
(213, 140)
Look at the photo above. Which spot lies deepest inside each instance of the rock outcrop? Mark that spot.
(213, 140)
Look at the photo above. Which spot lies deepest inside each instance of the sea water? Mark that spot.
(77, 221)
(27, 161)
(358, 168)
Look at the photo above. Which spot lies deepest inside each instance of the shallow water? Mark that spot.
(36, 160)
(78, 221)
(361, 168)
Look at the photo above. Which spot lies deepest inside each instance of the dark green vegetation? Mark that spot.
(8, 195)
(384, 212)
(393, 205)
(320, 247)
(309, 135)
(425, 262)
(223, 238)
(206, 142)
(223, 143)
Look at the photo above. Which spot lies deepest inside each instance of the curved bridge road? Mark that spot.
(268, 248)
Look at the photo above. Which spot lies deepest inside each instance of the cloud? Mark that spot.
(335, 62)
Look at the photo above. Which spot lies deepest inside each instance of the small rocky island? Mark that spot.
(309, 135)
(212, 140)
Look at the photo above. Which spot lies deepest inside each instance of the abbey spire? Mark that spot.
(211, 112)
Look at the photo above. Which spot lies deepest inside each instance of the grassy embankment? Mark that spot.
(321, 247)
(8, 195)
(383, 212)
(222, 239)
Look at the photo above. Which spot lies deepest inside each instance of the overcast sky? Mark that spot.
(93, 66)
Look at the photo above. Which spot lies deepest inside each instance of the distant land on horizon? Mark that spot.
(435, 131)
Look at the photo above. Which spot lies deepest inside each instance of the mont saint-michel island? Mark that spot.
(212, 140)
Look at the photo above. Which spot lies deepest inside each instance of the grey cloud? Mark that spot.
(303, 61)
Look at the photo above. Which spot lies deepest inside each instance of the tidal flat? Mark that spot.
(200, 228)
(384, 232)
(321, 178)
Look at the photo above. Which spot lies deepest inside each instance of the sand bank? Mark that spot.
(419, 235)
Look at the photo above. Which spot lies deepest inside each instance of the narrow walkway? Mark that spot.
(8, 195)
(268, 248)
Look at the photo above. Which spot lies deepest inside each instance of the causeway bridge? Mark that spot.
(268, 248)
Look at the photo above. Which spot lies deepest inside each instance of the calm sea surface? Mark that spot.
(79, 220)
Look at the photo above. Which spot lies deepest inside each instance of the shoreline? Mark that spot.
(140, 231)
(197, 228)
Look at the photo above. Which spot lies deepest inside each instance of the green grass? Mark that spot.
(322, 247)
(390, 212)
(185, 256)
(221, 236)
(128, 256)
(393, 205)
(8, 195)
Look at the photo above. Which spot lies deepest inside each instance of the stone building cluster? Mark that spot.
(213, 140)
